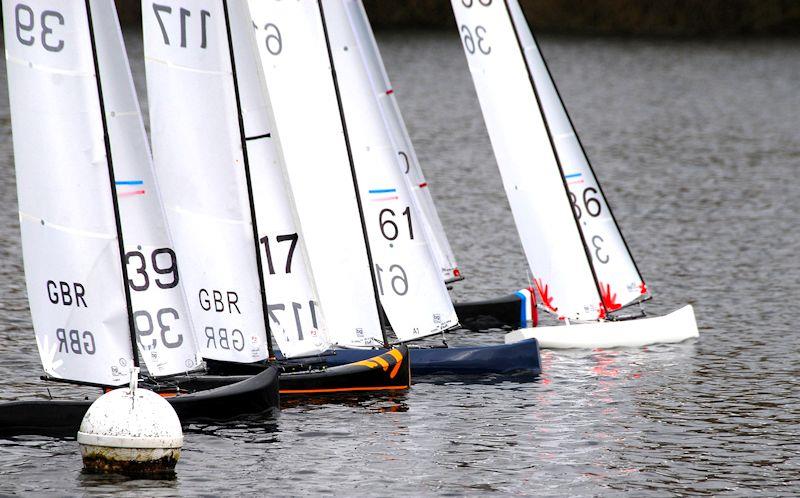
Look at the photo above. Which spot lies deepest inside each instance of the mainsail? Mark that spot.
(200, 164)
(411, 289)
(293, 300)
(70, 232)
(164, 329)
(409, 164)
(311, 139)
(530, 167)
(620, 281)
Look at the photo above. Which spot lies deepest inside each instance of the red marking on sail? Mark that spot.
(134, 192)
(544, 293)
(423, 184)
(389, 91)
(456, 272)
(643, 288)
(609, 300)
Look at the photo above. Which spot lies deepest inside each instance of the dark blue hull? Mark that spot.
(521, 358)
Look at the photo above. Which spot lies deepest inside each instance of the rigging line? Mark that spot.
(110, 162)
(555, 154)
(246, 163)
(580, 144)
(381, 318)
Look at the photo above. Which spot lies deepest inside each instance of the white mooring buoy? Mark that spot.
(130, 431)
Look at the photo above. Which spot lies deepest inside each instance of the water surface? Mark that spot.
(697, 145)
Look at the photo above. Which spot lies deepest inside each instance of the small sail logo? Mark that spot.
(128, 188)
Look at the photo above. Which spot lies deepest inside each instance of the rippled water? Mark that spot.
(698, 147)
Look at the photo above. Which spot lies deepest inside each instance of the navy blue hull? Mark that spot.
(503, 359)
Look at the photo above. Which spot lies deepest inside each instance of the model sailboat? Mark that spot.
(101, 274)
(368, 235)
(585, 274)
(512, 311)
(228, 207)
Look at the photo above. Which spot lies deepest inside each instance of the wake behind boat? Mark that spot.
(585, 274)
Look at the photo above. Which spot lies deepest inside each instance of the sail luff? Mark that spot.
(248, 181)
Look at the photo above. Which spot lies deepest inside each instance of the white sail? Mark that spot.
(71, 249)
(311, 139)
(161, 318)
(620, 281)
(199, 163)
(298, 323)
(528, 163)
(420, 189)
(411, 289)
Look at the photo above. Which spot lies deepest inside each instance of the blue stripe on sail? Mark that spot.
(573, 175)
(382, 190)
(129, 182)
(522, 318)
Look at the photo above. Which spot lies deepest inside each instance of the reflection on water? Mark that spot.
(697, 146)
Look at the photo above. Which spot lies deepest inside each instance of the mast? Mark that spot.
(109, 161)
(246, 163)
(557, 158)
(381, 315)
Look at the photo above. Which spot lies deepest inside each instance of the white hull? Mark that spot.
(674, 327)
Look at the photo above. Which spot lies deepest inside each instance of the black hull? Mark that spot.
(62, 418)
(380, 371)
(508, 312)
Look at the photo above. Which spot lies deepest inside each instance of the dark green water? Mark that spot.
(698, 148)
